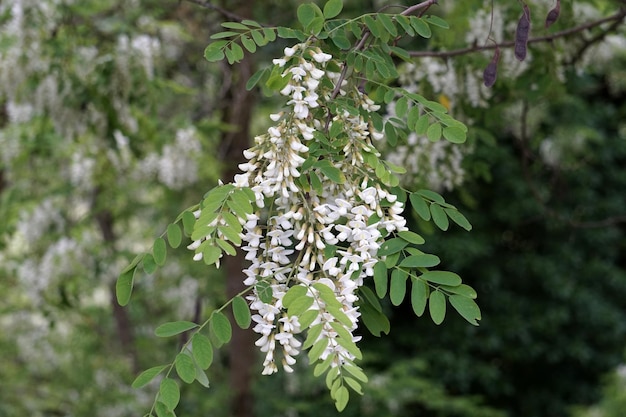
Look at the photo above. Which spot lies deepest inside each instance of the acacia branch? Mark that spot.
(616, 18)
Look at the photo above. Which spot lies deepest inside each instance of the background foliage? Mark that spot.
(111, 124)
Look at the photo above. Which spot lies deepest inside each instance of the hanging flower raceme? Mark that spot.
(318, 222)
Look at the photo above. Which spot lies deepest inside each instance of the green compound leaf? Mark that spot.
(147, 376)
(458, 218)
(185, 368)
(466, 307)
(437, 307)
(169, 393)
(380, 279)
(241, 312)
(439, 217)
(332, 8)
(173, 328)
(442, 277)
(124, 286)
(159, 251)
(174, 235)
(419, 296)
(221, 327)
(202, 350)
(397, 289)
(420, 261)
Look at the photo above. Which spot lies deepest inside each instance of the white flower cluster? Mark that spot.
(302, 235)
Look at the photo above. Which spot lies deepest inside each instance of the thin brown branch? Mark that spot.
(616, 17)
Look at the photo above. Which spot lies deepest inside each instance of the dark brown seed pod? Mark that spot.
(553, 14)
(491, 72)
(521, 34)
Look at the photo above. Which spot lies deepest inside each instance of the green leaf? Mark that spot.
(306, 14)
(372, 26)
(256, 77)
(354, 384)
(340, 40)
(215, 51)
(210, 253)
(391, 260)
(392, 246)
(307, 318)
(202, 378)
(159, 251)
(420, 261)
(397, 288)
(270, 34)
(387, 24)
(434, 132)
(234, 25)
(332, 8)
(463, 289)
(189, 221)
(169, 393)
(402, 106)
(148, 264)
(356, 372)
(411, 237)
(419, 296)
(293, 293)
(230, 233)
(185, 368)
(202, 350)
(458, 218)
(312, 334)
(221, 327)
(367, 296)
(264, 291)
(342, 396)
(124, 286)
(241, 312)
(225, 34)
(442, 277)
(333, 174)
(174, 235)
(380, 279)
(339, 315)
(420, 206)
(421, 27)
(173, 328)
(454, 134)
(466, 307)
(300, 305)
(133, 264)
(258, 38)
(421, 125)
(317, 349)
(147, 376)
(162, 410)
(437, 21)
(439, 216)
(437, 306)
(248, 43)
(375, 321)
(226, 247)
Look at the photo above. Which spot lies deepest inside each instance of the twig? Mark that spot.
(617, 17)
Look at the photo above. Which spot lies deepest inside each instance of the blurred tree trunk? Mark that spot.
(237, 109)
